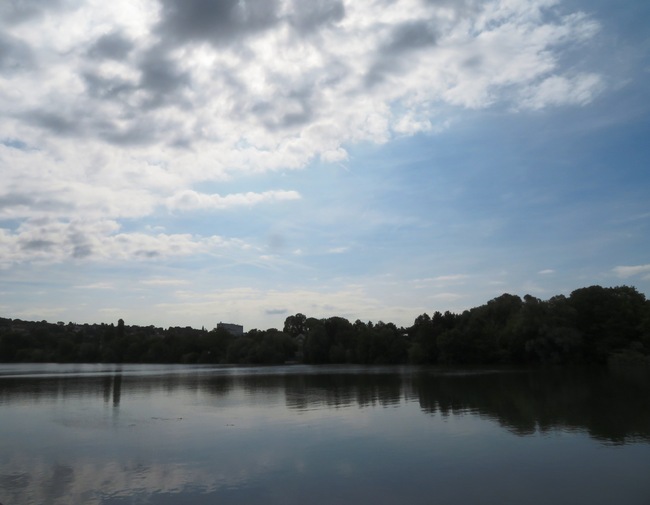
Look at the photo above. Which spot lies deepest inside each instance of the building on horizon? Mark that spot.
(236, 330)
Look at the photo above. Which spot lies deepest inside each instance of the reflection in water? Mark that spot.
(194, 435)
(112, 388)
(609, 406)
(117, 389)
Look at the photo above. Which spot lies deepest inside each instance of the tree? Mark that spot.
(317, 345)
(609, 319)
(295, 325)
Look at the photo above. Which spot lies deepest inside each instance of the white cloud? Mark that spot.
(50, 241)
(252, 305)
(37, 313)
(633, 271)
(113, 138)
(548, 271)
(191, 200)
(560, 90)
(164, 282)
(338, 250)
(97, 285)
(451, 278)
(334, 155)
(440, 281)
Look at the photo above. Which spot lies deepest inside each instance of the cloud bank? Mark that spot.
(122, 110)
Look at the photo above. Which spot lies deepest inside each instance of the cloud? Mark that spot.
(447, 297)
(238, 304)
(112, 46)
(14, 143)
(451, 278)
(307, 17)
(70, 200)
(51, 241)
(215, 93)
(403, 38)
(633, 271)
(411, 35)
(37, 313)
(216, 22)
(548, 271)
(97, 285)
(14, 12)
(164, 282)
(146, 101)
(560, 90)
(276, 312)
(15, 55)
(15, 204)
(441, 280)
(191, 200)
(162, 78)
(55, 122)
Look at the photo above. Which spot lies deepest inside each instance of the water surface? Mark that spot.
(194, 435)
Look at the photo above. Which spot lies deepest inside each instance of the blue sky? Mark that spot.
(187, 162)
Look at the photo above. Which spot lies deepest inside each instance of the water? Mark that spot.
(151, 434)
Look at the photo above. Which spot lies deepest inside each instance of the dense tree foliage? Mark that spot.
(592, 325)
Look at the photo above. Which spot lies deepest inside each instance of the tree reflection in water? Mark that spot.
(192, 435)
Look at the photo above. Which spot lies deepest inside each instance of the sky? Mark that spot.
(186, 162)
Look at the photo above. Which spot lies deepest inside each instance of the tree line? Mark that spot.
(593, 325)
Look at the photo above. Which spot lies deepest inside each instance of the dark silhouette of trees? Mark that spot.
(594, 325)
(295, 325)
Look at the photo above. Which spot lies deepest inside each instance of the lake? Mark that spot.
(198, 435)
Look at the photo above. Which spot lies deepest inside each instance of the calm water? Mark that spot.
(136, 434)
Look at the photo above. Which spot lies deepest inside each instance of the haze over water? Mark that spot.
(136, 434)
